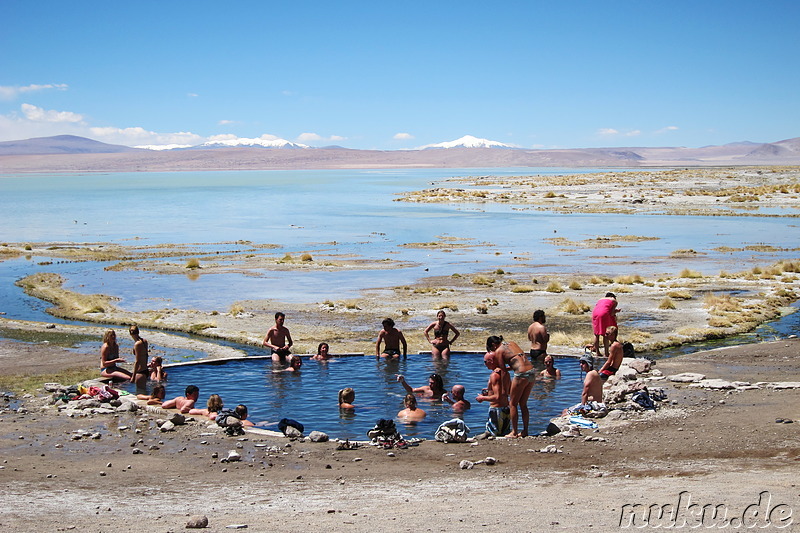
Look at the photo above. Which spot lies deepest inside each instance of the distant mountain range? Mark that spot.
(67, 153)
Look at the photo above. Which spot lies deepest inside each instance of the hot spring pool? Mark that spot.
(310, 397)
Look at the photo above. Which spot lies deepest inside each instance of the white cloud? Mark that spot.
(610, 132)
(222, 137)
(667, 129)
(269, 137)
(607, 131)
(337, 138)
(137, 136)
(402, 137)
(633, 133)
(192, 95)
(37, 114)
(226, 122)
(10, 92)
(309, 137)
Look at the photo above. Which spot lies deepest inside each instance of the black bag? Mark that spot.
(627, 349)
(288, 422)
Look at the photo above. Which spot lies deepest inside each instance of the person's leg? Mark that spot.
(523, 405)
(513, 400)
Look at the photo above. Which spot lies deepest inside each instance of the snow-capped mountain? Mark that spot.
(244, 141)
(468, 141)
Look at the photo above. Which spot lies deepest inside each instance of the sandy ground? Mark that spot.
(720, 448)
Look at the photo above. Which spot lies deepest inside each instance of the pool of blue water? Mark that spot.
(310, 397)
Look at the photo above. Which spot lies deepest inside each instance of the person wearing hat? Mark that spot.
(592, 384)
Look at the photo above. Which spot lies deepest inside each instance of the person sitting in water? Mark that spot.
(433, 390)
(456, 399)
(411, 413)
(550, 371)
(346, 398)
(592, 394)
(511, 355)
(159, 392)
(295, 363)
(440, 345)
(392, 338)
(213, 406)
(109, 359)
(183, 403)
(278, 339)
(615, 354)
(323, 353)
(156, 368)
(234, 417)
(496, 393)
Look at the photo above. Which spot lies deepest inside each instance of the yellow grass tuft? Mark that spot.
(523, 288)
(192, 263)
(680, 295)
(570, 306)
(687, 273)
(666, 303)
(482, 280)
(554, 286)
(575, 286)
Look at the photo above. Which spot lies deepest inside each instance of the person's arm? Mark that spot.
(187, 406)
(403, 342)
(586, 387)
(493, 389)
(457, 333)
(289, 338)
(427, 331)
(378, 344)
(558, 373)
(405, 385)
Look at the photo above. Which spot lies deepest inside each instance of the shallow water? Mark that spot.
(311, 396)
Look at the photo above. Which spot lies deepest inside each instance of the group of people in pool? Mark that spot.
(143, 370)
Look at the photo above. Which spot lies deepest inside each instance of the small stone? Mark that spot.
(390, 454)
(137, 451)
(167, 426)
(318, 436)
(466, 465)
(197, 522)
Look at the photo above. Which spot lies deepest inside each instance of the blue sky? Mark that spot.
(380, 75)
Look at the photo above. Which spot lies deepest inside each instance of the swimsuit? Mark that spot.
(536, 353)
(529, 375)
(390, 351)
(499, 423)
(283, 352)
(608, 372)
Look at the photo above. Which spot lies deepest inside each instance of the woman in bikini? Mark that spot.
(440, 345)
(509, 355)
(109, 358)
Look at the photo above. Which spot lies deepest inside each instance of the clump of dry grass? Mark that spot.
(192, 263)
(575, 285)
(599, 280)
(236, 309)
(560, 338)
(688, 273)
(522, 288)
(719, 322)
(570, 306)
(482, 280)
(554, 286)
(723, 303)
(306, 257)
(447, 305)
(482, 309)
(666, 303)
(680, 295)
(197, 328)
(628, 279)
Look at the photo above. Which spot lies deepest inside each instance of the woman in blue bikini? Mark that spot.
(510, 355)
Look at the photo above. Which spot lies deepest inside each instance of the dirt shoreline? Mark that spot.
(719, 447)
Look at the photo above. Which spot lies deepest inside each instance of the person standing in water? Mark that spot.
(511, 355)
(278, 339)
(140, 372)
(538, 335)
(392, 338)
(440, 345)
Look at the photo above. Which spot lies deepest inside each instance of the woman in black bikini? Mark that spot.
(440, 345)
(510, 355)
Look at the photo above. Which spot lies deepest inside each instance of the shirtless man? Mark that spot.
(615, 354)
(592, 384)
(392, 338)
(538, 335)
(140, 371)
(278, 339)
(183, 403)
(550, 371)
(511, 355)
(456, 399)
(496, 393)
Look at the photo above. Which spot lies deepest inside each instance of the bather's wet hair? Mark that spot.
(347, 395)
(192, 389)
(214, 404)
(491, 341)
(538, 316)
(241, 411)
(319, 348)
(107, 336)
(159, 391)
(387, 323)
(437, 379)
(410, 400)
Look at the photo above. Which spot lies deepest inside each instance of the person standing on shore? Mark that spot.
(109, 359)
(278, 339)
(538, 335)
(440, 345)
(604, 315)
(140, 371)
(392, 338)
